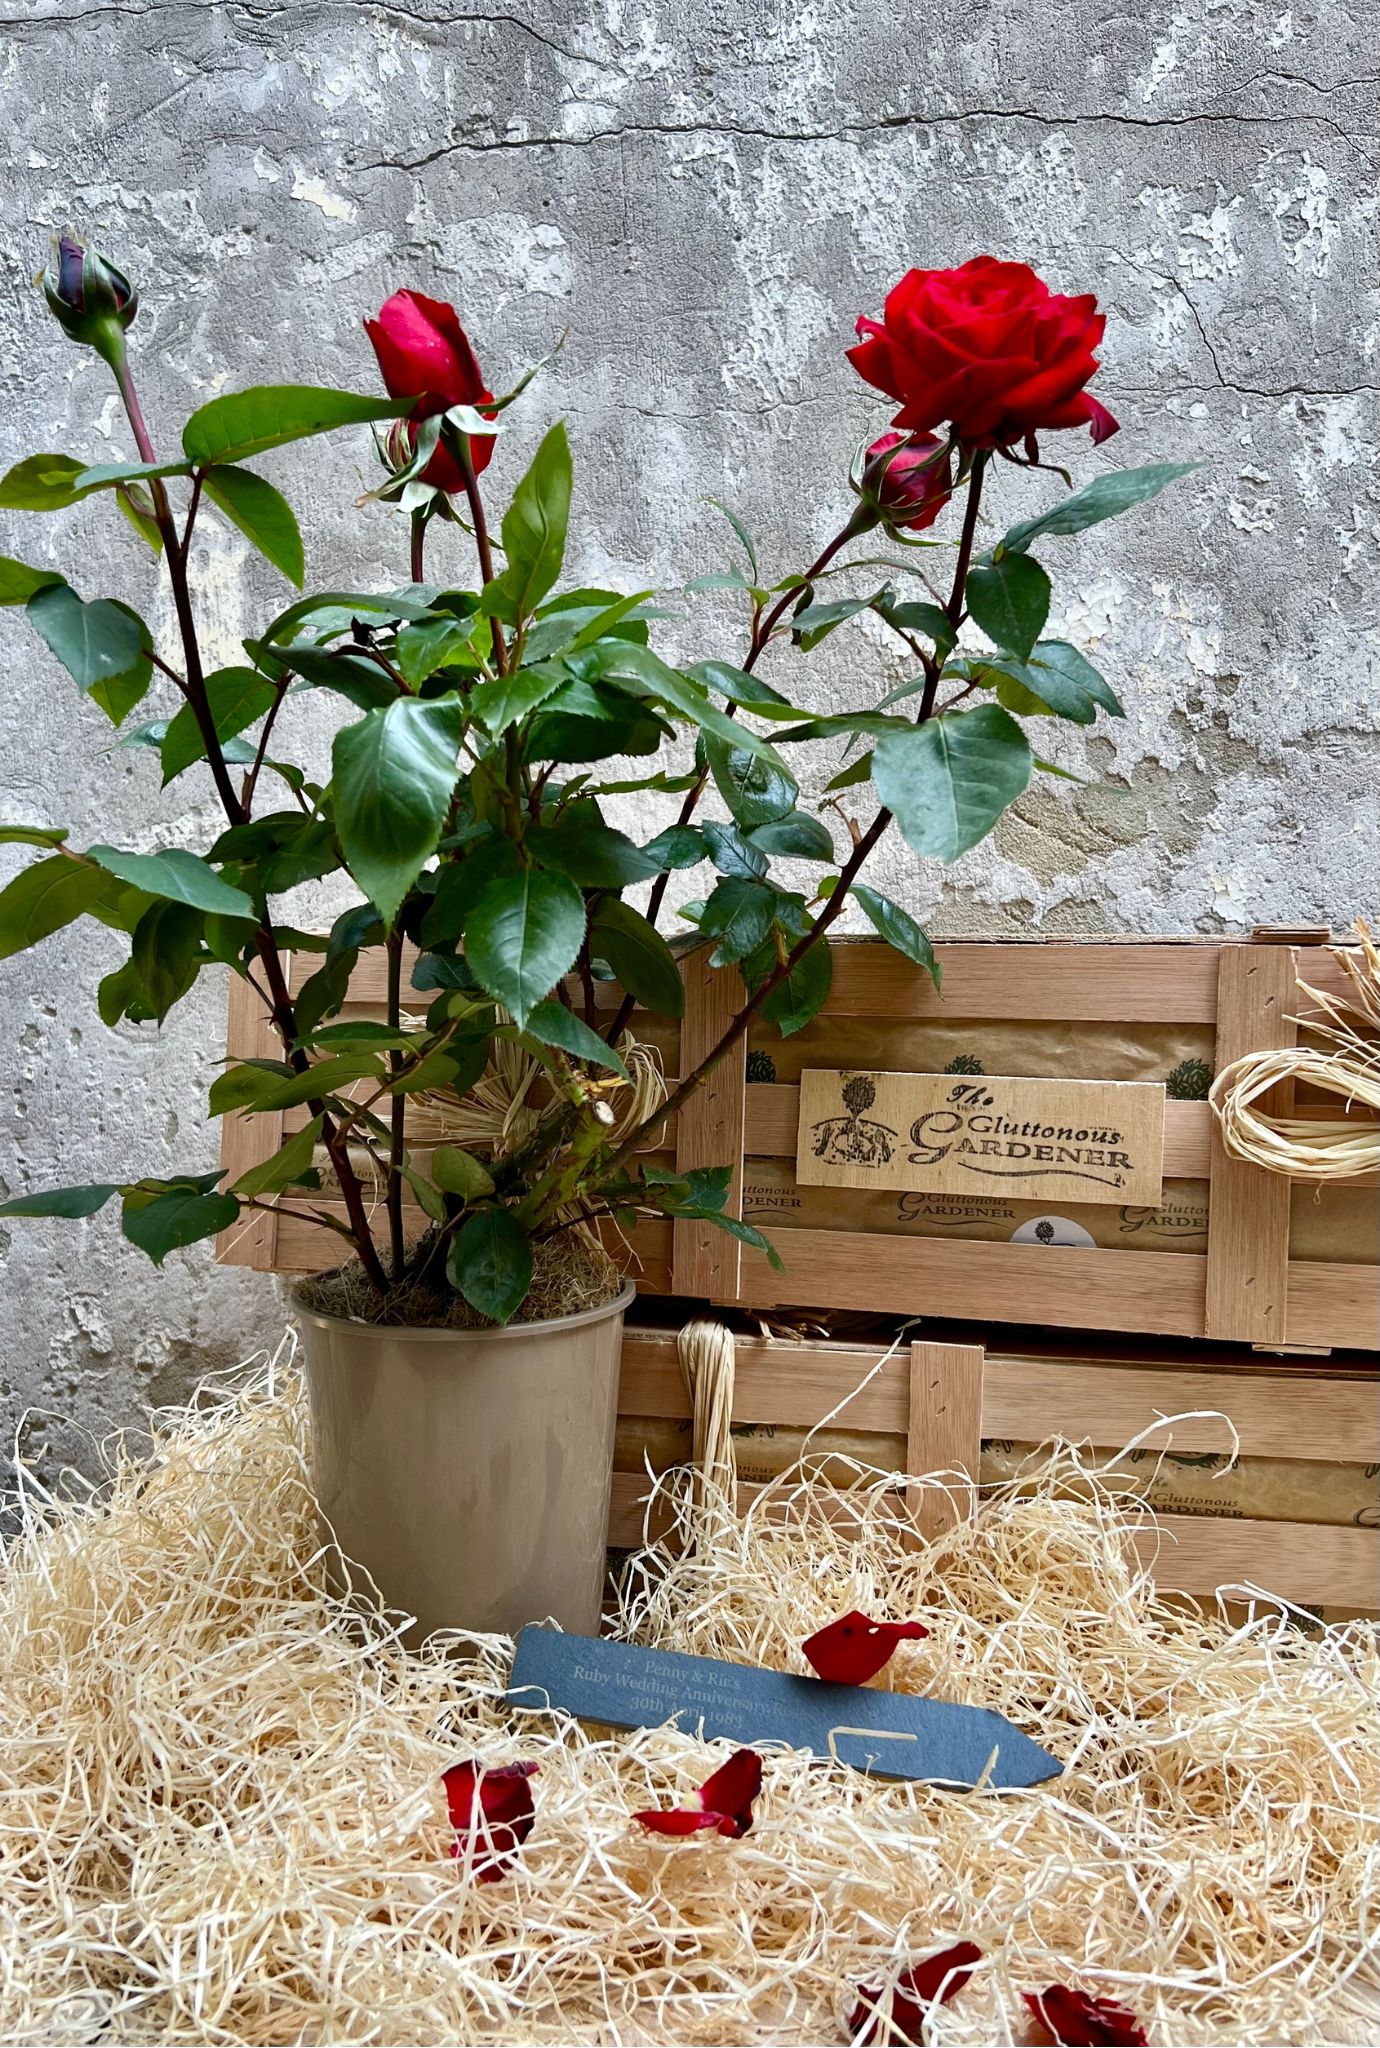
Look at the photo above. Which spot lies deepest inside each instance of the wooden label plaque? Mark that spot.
(958, 1134)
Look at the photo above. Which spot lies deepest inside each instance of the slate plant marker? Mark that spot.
(888, 1734)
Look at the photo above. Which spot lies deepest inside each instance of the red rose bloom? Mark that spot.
(424, 353)
(911, 486)
(989, 348)
(1075, 2019)
(723, 1802)
(935, 1981)
(492, 1813)
(853, 1649)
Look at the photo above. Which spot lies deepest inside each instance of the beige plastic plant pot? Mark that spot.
(468, 1471)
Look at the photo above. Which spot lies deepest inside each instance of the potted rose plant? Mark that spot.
(463, 1374)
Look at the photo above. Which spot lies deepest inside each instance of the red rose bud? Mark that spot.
(1080, 2021)
(492, 1813)
(853, 1649)
(424, 353)
(908, 479)
(723, 1802)
(92, 300)
(989, 348)
(934, 1982)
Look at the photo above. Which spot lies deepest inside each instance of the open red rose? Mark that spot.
(989, 348)
(723, 1802)
(906, 480)
(933, 1982)
(1075, 2019)
(490, 1809)
(853, 1649)
(424, 353)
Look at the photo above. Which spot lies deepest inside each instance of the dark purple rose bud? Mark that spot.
(907, 480)
(92, 300)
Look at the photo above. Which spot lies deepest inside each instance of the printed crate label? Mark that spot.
(1089, 1141)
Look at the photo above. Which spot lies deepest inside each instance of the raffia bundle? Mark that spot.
(1347, 1063)
(221, 1817)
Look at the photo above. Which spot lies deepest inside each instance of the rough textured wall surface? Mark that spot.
(705, 196)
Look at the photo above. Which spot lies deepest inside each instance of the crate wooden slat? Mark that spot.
(1247, 1292)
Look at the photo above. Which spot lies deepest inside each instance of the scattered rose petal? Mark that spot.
(1076, 2020)
(933, 1982)
(853, 1649)
(490, 1809)
(723, 1802)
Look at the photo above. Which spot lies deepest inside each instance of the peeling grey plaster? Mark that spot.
(705, 197)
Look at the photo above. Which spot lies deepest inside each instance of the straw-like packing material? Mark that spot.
(1346, 1063)
(221, 1818)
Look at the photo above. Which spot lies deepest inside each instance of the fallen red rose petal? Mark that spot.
(933, 1982)
(1076, 2020)
(490, 1809)
(723, 1802)
(853, 1649)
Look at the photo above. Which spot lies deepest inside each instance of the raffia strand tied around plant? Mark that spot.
(1347, 1064)
(498, 1114)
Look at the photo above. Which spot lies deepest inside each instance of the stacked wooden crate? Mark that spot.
(1264, 1269)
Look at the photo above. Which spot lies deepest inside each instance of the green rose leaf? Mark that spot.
(505, 700)
(290, 1164)
(237, 697)
(534, 529)
(797, 836)
(104, 476)
(740, 687)
(802, 994)
(757, 791)
(644, 674)
(166, 953)
(162, 1223)
(43, 898)
(899, 929)
(457, 1172)
(262, 514)
(62, 1201)
(32, 835)
(522, 935)
(18, 582)
(640, 958)
(393, 778)
(679, 846)
(553, 1024)
(490, 1263)
(103, 645)
(731, 853)
(581, 846)
(949, 780)
(245, 423)
(1010, 601)
(746, 1233)
(177, 875)
(42, 483)
(1102, 499)
(740, 915)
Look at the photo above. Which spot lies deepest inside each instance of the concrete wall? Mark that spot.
(705, 196)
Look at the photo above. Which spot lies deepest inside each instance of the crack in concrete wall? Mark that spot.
(706, 198)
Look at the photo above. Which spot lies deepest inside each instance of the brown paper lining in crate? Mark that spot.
(1331, 1224)
(1180, 1055)
(1252, 1489)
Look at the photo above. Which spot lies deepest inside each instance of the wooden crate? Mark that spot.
(1244, 1289)
(944, 1397)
